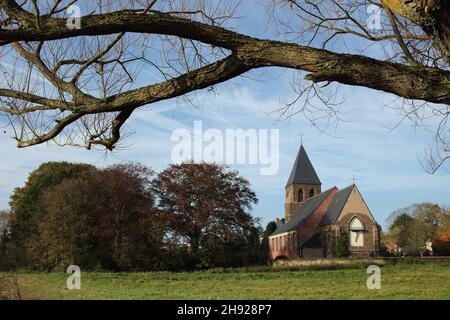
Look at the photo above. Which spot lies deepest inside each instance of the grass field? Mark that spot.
(400, 281)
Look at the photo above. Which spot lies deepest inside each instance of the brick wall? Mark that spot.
(283, 245)
(310, 227)
(356, 207)
(287, 244)
(293, 203)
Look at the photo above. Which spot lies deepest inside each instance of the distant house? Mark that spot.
(314, 219)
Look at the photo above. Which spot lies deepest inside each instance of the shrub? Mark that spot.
(342, 249)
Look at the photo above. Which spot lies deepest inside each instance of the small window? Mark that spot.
(311, 193)
(300, 195)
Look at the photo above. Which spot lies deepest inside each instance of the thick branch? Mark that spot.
(427, 84)
(127, 102)
(207, 76)
(411, 82)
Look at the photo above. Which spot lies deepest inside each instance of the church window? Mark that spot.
(356, 233)
(300, 195)
(311, 193)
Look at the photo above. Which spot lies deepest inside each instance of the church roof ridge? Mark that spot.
(303, 171)
(336, 205)
(308, 207)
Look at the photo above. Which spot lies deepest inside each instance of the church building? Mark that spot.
(314, 220)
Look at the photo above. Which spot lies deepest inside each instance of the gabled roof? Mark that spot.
(303, 171)
(309, 206)
(314, 242)
(336, 205)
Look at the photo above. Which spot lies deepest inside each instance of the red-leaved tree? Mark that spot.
(206, 208)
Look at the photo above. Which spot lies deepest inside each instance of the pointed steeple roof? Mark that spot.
(303, 171)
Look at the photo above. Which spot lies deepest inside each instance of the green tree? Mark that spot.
(402, 220)
(102, 219)
(342, 244)
(26, 209)
(413, 226)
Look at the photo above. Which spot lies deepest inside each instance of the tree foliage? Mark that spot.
(122, 218)
(206, 208)
(413, 226)
(442, 241)
(342, 244)
(104, 219)
(4, 221)
(25, 204)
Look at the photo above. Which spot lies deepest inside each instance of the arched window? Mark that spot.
(311, 193)
(300, 195)
(356, 233)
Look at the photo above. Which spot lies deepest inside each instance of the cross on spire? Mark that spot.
(301, 136)
(353, 178)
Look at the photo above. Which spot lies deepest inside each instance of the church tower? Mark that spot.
(303, 183)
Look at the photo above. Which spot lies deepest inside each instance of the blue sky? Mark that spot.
(385, 161)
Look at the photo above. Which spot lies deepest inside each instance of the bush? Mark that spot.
(342, 249)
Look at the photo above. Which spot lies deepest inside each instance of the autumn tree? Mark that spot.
(411, 227)
(76, 81)
(206, 208)
(442, 241)
(25, 204)
(103, 219)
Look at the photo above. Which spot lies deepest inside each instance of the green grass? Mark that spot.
(399, 281)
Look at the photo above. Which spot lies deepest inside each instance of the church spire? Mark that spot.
(303, 171)
(303, 183)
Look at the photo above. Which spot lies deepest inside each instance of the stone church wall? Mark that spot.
(293, 203)
(356, 207)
